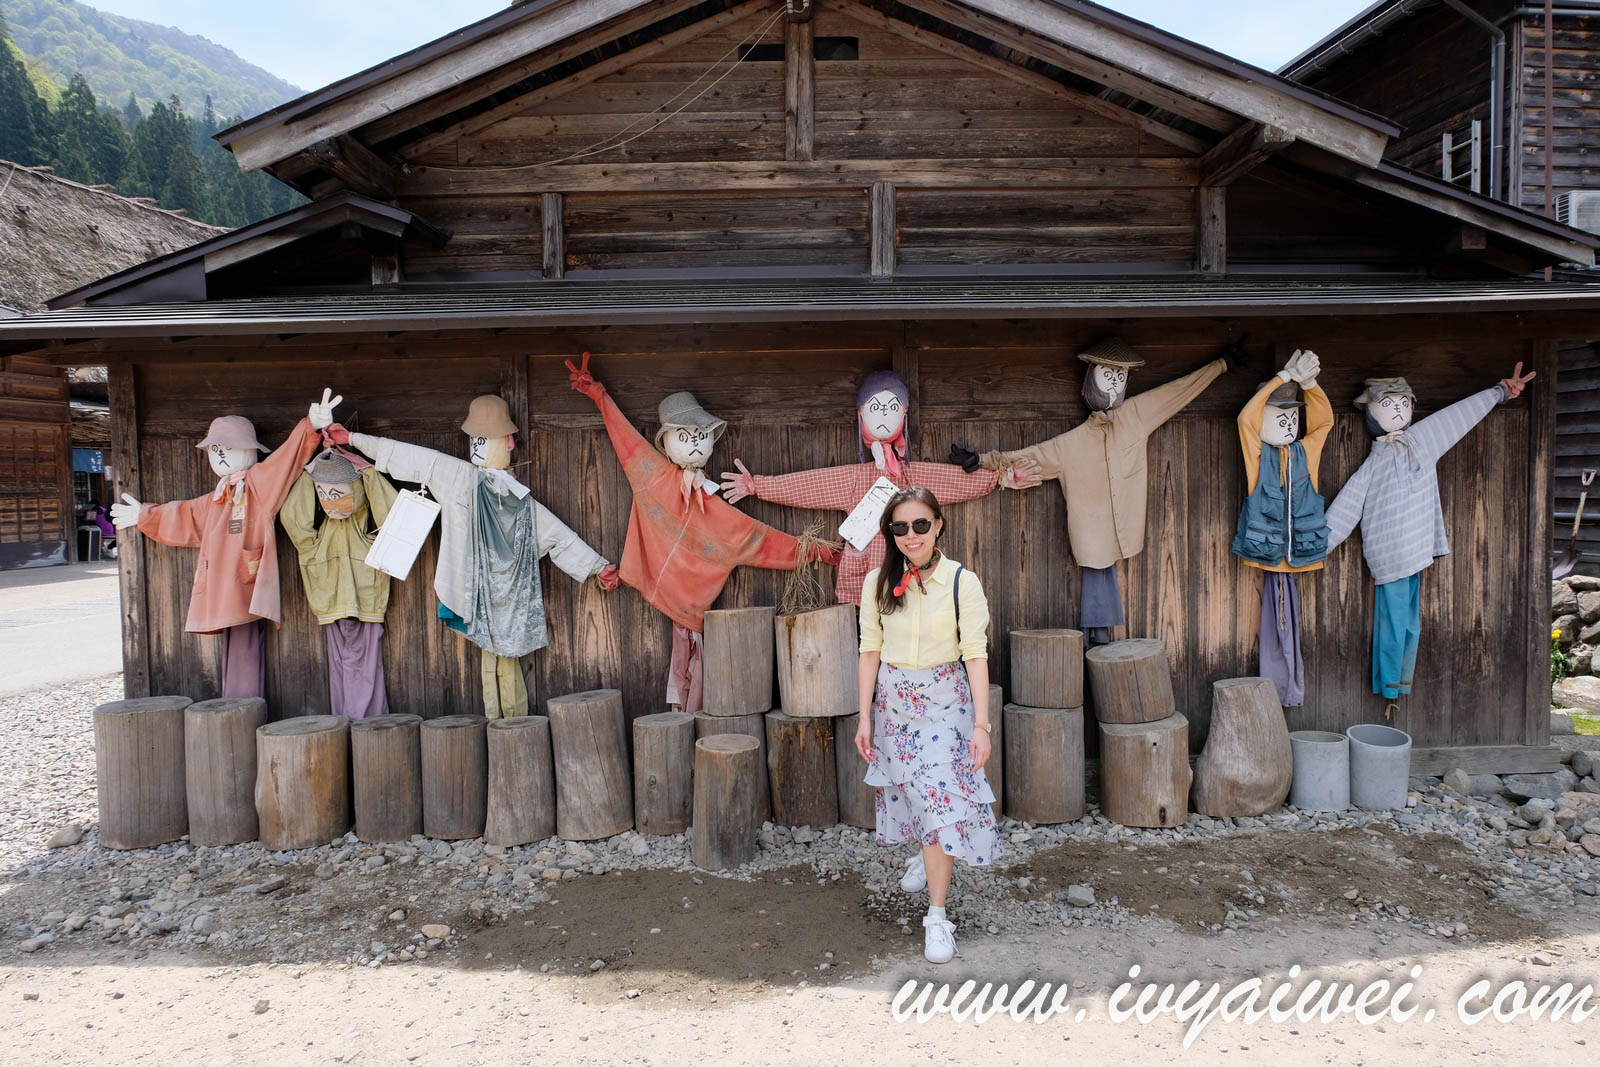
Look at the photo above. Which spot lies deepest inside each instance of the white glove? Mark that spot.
(126, 515)
(321, 415)
(1302, 367)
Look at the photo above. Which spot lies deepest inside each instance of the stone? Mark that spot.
(804, 835)
(1578, 692)
(1583, 583)
(65, 837)
(398, 915)
(438, 930)
(1548, 786)
(1458, 781)
(1586, 803)
(1080, 896)
(1564, 631)
(262, 1007)
(1561, 723)
(1584, 761)
(34, 944)
(640, 847)
(204, 924)
(1486, 785)
(1589, 607)
(1590, 633)
(1563, 600)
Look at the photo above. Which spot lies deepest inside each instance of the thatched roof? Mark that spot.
(56, 235)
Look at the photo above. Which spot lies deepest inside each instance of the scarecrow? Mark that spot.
(1282, 529)
(882, 405)
(683, 539)
(1394, 496)
(492, 536)
(236, 577)
(1103, 469)
(348, 597)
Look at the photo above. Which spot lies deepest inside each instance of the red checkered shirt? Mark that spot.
(841, 489)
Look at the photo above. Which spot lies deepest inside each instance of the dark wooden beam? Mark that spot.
(799, 90)
(1541, 357)
(354, 165)
(880, 224)
(1241, 152)
(553, 227)
(127, 477)
(1211, 229)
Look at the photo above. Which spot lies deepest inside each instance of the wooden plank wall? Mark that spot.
(37, 525)
(1576, 125)
(1577, 447)
(787, 392)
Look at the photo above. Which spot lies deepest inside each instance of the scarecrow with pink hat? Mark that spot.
(236, 577)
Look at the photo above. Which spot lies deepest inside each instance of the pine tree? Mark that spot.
(77, 123)
(25, 133)
(131, 115)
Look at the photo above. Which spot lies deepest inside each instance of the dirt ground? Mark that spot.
(796, 969)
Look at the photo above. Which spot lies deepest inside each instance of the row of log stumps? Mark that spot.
(1144, 742)
(1036, 765)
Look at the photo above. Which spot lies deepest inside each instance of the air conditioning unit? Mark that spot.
(1580, 209)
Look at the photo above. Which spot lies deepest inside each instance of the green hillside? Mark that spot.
(155, 63)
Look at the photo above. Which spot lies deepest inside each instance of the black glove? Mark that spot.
(1234, 353)
(964, 457)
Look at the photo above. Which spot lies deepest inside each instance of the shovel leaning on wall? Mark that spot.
(1569, 558)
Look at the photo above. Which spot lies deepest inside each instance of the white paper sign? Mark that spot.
(861, 525)
(400, 538)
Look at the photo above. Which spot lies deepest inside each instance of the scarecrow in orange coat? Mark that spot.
(683, 539)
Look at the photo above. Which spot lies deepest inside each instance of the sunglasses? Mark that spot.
(921, 526)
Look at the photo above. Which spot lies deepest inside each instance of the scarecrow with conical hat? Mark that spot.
(492, 536)
(348, 597)
(1103, 469)
(683, 539)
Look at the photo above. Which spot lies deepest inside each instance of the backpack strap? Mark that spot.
(957, 584)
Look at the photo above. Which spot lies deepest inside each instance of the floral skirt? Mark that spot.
(928, 789)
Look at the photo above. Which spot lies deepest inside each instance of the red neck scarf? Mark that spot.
(893, 450)
(912, 571)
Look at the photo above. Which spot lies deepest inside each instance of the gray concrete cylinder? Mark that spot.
(1321, 770)
(1380, 764)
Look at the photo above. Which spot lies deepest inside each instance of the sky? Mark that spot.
(311, 43)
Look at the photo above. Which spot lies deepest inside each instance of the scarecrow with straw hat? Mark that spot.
(1394, 497)
(683, 539)
(492, 536)
(1282, 529)
(236, 577)
(1103, 469)
(882, 405)
(348, 597)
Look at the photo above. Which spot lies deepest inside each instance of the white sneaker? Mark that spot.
(915, 880)
(938, 939)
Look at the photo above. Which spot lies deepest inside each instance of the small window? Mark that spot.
(836, 48)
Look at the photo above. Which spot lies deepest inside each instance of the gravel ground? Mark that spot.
(1448, 867)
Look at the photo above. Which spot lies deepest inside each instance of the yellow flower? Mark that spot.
(1555, 633)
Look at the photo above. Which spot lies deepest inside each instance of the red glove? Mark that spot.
(826, 553)
(609, 577)
(583, 381)
(336, 435)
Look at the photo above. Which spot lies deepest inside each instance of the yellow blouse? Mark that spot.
(922, 633)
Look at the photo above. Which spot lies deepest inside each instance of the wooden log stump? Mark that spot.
(1047, 668)
(738, 661)
(817, 657)
(751, 726)
(219, 768)
(1131, 681)
(1144, 772)
(1247, 766)
(303, 781)
(522, 782)
(594, 794)
(724, 832)
(1044, 757)
(663, 770)
(858, 801)
(455, 776)
(386, 771)
(995, 769)
(139, 771)
(801, 768)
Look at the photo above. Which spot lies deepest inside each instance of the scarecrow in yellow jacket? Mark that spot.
(348, 597)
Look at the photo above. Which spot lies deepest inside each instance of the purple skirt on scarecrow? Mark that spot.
(928, 789)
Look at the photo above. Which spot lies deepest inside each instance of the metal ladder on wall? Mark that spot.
(1450, 149)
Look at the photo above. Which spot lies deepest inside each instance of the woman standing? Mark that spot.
(924, 698)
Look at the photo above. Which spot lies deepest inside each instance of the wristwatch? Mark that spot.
(986, 727)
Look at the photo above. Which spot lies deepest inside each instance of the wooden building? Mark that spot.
(761, 208)
(56, 234)
(1442, 68)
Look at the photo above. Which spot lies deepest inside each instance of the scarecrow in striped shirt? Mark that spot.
(1394, 497)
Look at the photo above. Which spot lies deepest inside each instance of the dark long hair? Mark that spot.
(894, 560)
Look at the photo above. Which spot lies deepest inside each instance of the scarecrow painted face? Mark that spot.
(1280, 426)
(491, 452)
(225, 461)
(688, 446)
(1112, 381)
(882, 415)
(1392, 412)
(338, 501)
